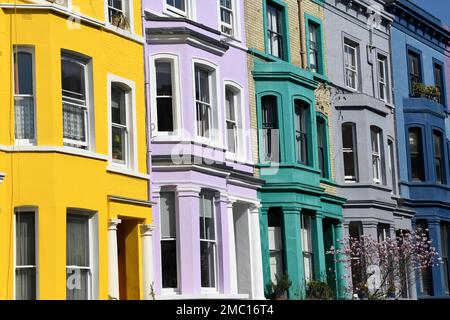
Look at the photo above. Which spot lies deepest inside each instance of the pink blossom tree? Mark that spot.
(385, 269)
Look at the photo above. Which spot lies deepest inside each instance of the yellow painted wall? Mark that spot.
(55, 181)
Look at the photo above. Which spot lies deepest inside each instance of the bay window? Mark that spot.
(208, 242)
(24, 100)
(227, 17)
(275, 32)
(349, 152)
(322, 147)
(75, 100)
(351, 64)
(79, 257)
(438, 156)
(301, 132)
(377, 165)
(270, 132)
(308, 259)
(203, 101)
(25, 255)
(168, 220)
(416, 154)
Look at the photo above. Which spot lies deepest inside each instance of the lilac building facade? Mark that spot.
(207, 236)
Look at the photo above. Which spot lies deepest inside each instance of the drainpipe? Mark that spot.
(148, 120)
(302, 39)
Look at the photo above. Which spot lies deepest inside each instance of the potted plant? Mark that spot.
(318, 290)
(281, 287)
(429, 92)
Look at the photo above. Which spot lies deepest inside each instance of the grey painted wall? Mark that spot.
(368, 202)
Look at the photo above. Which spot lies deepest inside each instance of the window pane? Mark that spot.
(301, 132)
(416, 155)
(179, 4)
(24, 117)
(207, 264)
(118, 106)
(77, 282)
(169, 263)
(25, 285)
(119, 138)
(23, 63)
(25, 239)
(276, 265)
(163, 78)
(168, 215)
(270, 129)
(77, 244)
(202, 85)
(207, 230)
(73, 84)
(437, 142)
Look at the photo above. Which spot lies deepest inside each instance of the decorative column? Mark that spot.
(113, 264)
(293, 251)
(223, 237)
(434, 227)
(148, 279)
(340, 269)
(189, 239)
(264, 234)
(318, 247)
(370, 228)
(232, 249)
(256, 254)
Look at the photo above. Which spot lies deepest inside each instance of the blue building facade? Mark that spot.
(419, 47)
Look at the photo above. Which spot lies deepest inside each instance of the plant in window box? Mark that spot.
(119, 20)
(429, 92)
(318, 290)
(281, 287)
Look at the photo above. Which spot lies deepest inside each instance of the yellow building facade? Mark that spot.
(75, 219)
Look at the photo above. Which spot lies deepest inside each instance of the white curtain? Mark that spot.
(24, 117)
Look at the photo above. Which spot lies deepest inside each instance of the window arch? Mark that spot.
(349, 150)
(270, 129)
(415, 144)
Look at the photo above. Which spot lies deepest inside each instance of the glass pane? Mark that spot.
(347, 136)
(276, 265)
(119, 138)
(226, 3)
(231, 137)
(308, 265)
(25, 239)
(74, 118)
(163, 78)
(77, 244)
(24, 117)
(203, 120)
(25, 285)
(168, 215)
(77, 281)
(207, 264)
(229, 103)
(179, 4)
(164, 111)
(73, 84)
(169, 264)
(118, 106)
(23, 73)
(202, 85)
(349, 164)
(306, 233)
(207, 230)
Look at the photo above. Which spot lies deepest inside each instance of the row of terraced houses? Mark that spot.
(190, 149)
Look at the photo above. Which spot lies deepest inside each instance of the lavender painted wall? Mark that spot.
(198, 38)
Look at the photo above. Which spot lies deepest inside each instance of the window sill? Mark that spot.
(62, 149)
(174, 12)
(128, 172)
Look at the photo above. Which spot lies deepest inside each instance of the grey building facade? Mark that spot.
(358, 58)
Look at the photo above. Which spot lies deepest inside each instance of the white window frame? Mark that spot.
(131, 143)
(36, 246)
(176, 96)
(30, 50)
(161, 239)
(392, 168)
(127, 12)
(215, 138)
(215, 242)
(351, 179)
(189, 11)
(383, 81)
(93, 247)
(88, 109)
(239, 112)
(60, 3)
(349, 68)
(377, 154)
(235, 20)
